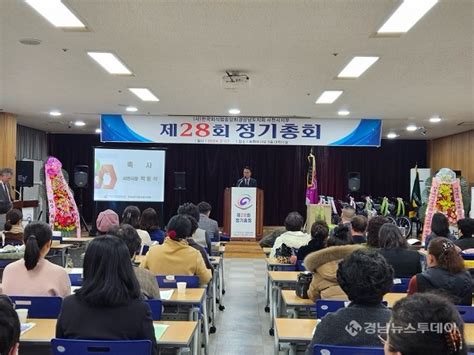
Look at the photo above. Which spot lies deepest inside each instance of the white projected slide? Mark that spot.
(129, 175)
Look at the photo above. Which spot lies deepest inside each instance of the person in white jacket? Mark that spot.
(293, 237)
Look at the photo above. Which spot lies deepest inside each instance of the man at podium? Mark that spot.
(246, 180)
(5, 197)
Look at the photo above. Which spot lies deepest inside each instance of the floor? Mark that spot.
(242, 328)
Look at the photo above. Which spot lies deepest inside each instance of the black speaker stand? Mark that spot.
(80, 208)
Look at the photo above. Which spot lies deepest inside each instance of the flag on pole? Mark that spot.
(415, 199)
(312, 196)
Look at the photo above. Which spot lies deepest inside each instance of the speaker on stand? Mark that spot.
(81, 175)
(23, 176)
(353, 182)
(179, 184)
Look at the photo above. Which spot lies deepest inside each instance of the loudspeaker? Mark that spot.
(353, 181)
(24, 174)
(180, 180)
(81, 175)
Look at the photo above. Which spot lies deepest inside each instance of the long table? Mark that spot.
(179, 334)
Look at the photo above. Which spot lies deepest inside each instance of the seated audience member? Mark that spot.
(268, 240)
(192, 243)
(373, 228)
(439, 228)
(445, 337)
(347, 214)
(293, 237)
(200, 236)
(148, 283)
(466, 228)
(106, 219)
(108, 306)
(319, 236)
(365, 276)
(445, 273)
(175, 256)
(394, 247)
(131, 215)
(34, 275)
(13, 230)
(149, 222)
(358, 228)
(9, 327)
(206, 223)
(324, 265)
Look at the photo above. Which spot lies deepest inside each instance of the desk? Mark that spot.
(61, 249)
(277, 280)
(391, 298)
(293, 331)
(82, 240)
(273, 264)
(179, 334)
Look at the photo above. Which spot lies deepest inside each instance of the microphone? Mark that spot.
(240, 182)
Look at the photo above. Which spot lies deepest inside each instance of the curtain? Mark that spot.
(31, 144)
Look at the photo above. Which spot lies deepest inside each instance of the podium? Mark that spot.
(243, 213)
(27, 209)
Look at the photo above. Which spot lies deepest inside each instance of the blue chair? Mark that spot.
(39, 307)
(300, 265)
(96, 347)
(145, 250)
(467, 256)
(467, 313)
(192, 281)
(346, 350)
(400, 285)
(76, 279)
(324, 307)
(156, 307)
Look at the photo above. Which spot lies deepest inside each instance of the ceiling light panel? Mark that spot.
(144, 94)
(110, 62)
(56, 13)
(406, 16)
(356, 67)
(329, 96)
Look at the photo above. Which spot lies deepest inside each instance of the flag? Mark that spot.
(312, 196)
(415, 199)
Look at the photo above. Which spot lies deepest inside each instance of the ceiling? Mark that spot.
(292, 51)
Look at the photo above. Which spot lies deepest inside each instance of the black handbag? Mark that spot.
(302, 285)
(284, 253)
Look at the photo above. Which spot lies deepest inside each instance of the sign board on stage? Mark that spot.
(243, 212)
(241, 130)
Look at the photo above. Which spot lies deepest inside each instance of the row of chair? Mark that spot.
(164, 281)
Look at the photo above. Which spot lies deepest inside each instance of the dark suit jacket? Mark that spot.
(78, 320)
(241, 183)
(5, 202)
(405, 263)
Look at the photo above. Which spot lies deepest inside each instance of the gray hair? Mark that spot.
(6, 171)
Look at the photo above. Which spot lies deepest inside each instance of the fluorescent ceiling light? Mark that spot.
(131, 109)
(98, 131)
(392, 135)
(329, 96)
(79, 123)
(412, 128)
(56, 12)
(343, 113)
(406, 16)
(234, 111)
(357, 66)
(110, 62)
(55, 113)
(144, 94)
(435, 119)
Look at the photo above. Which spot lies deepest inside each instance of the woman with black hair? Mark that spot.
(466, 228)
(108, 306)
(439, 228)
(13, 230)
(9, 327)
(319, 236)
(34, 275)
(373, 228)
(445, 273)
(131, 215)
(325, 262)
(394, 247)
(438, 328)
(150, 223)
(365, 276)
(175, 256)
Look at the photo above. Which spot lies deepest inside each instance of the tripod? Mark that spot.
(80, 208)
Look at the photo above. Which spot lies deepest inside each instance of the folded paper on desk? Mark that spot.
(166, 295)
(25, 327)
(160, 330)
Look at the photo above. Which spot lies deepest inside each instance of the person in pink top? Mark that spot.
(34, 275)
